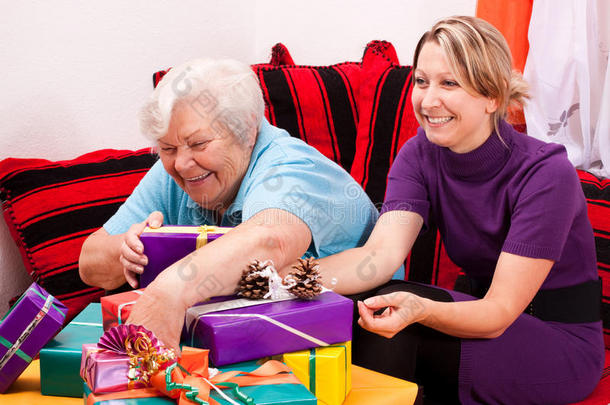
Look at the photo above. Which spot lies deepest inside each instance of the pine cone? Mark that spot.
(253, 286)
(307, 279)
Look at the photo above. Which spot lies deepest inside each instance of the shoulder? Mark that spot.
(538, 158)
(275, 148)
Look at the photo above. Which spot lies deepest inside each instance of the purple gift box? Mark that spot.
(268, 328)
(166, 245)
(34, 319)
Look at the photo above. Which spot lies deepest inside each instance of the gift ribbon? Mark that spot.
(202, 230)
(123, 305)
(26, 333)
(275, 322)
(312, 371)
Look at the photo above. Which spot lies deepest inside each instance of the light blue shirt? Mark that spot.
(284, 173)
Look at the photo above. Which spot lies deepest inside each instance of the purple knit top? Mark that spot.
(516, 194)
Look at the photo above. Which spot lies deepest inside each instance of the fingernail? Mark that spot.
(140, 248)
(155, 224)
(144, 261)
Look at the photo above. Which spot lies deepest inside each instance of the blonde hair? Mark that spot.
(480, 59)
(225, 91)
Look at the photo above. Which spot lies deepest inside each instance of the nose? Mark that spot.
(430, 97)
(184, 159)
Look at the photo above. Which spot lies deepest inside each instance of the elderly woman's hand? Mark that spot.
(401, 310)
(161, 309)
(132, 255)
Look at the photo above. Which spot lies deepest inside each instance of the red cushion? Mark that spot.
(51, 207)
(316, 104)
(386, 117)
(597, 193)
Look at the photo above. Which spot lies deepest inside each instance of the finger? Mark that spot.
(155, 219)
(132, 238)
(130, 266)
(366, 314)
(131, 278)
(388, 300)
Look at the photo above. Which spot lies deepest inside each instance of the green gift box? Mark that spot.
(272, 394)
(60, 358)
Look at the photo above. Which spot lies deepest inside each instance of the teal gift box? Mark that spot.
(272, 394)
(60, 358)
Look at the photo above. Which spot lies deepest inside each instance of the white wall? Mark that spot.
(75, 73)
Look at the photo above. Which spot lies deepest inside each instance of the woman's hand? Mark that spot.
(401, 310)
(132, 255)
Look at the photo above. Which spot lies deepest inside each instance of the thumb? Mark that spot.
(155, 219)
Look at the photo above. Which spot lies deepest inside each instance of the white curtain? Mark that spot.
(567, 69)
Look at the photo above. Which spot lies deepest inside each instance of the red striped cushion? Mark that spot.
(597, 193)
(386, 117)
(51, 207)
(316, 104)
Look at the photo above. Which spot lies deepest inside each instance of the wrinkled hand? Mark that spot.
(132, 255)
(401, 310)
(161, 310)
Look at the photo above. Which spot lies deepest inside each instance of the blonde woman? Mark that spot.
(511, 213)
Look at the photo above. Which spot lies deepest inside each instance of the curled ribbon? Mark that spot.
(144, 358)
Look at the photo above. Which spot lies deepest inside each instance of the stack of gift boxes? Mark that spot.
(242, 340)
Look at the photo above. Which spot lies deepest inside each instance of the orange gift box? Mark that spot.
(371, 387)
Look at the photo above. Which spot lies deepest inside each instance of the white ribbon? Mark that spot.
(121, 306)
(275, 322)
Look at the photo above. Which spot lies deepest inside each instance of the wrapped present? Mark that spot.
(30, 323)
(191, 381)
(264, 393)
(166, 245)
(60, 358)
(326, 371)
(125, 357)
(369, 386)
(237, 330)
(117, 307)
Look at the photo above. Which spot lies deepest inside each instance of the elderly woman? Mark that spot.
(511, 213)
(221, 163)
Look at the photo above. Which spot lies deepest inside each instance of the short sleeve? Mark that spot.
(144, 199)
(545, 209)
(334, 207)
(406, 189)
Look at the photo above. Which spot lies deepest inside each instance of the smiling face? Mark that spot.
(451, 116)
(207, 162)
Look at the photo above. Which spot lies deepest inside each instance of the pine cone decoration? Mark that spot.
(253, 286)
(307, 278)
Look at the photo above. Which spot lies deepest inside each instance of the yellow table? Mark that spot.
(368, 387)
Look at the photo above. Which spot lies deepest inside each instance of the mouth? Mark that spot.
(438, 121)
(198, 179)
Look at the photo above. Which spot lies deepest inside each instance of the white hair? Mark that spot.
(226, 92)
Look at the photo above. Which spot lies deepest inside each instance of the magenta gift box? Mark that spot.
(34, 319)
(166, 245)
(267, 329)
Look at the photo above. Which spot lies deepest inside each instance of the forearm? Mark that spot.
(99, 263)
(466, 319)
(215, 269)
(361, 269)
(356, 270)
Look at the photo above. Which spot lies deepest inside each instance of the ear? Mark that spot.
(491, 106)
